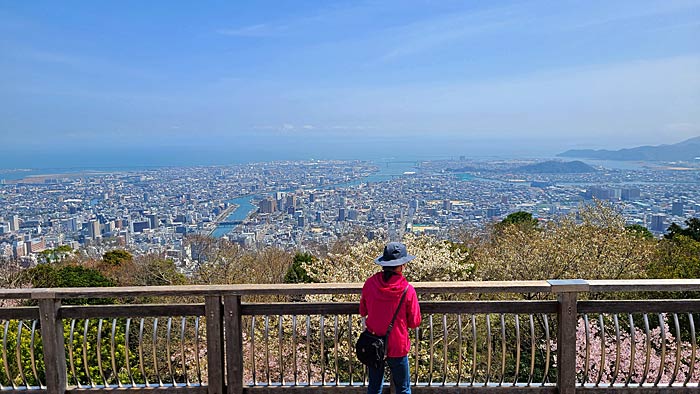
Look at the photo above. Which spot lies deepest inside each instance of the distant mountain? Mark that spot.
(683, 151)
(556, 167)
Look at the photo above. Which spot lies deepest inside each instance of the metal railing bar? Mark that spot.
(432, 350)
(18, 354)
(308, 350)
(648, 350)
(4, 357)
(266, 337)
(280, 355)
(662, 326)
(335, 345)
(601, 332)
(115, 371)
(693, 349)
(444, 349)
(156, 367)
(142, 366)
(459, 349)
(252, 350)
(473, 321)
(322, 332)
(183, 328)
(503, 350)
(33, 352)
(86, 366)
(533, 345)
(586, 362)
(351, 354)
(127, 363)
(99, 353)
(517, 349)
(168, 353)
(548, 350)
(196, 346)
(617, 350)
(633, 348)
(489, 348)
(294, 351)
(679, 347)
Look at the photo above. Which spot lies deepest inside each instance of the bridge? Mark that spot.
(230, 223)
(557, 336)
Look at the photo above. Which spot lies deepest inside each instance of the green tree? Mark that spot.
(117, 257)
(153, 270)
(676, 258)
(520, 218)
(692, 231)
(50, 275)
(56, 254)
(640, 231)
(596, 246)
(296, 272)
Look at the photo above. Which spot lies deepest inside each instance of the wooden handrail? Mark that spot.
(534, 286)
(268, 289)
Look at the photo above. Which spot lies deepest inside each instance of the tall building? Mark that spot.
(19, 249)
(291, 201)
(341, 214)
(677, 208)
(14, 223)
(153, 220)
(447, 205)
(138, 227)
(630, 193)
(268, 205)
(603, 193)
(93, 228)
(493, 212)
(658, 223)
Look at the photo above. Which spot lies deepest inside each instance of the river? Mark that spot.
(387, 170)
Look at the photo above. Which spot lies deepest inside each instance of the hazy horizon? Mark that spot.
(384, 150)
(161, 83)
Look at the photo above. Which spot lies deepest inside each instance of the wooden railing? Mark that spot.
(534, 336)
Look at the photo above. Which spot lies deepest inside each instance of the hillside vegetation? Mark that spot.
(594, 244)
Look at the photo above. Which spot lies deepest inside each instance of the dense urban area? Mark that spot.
(290, 205)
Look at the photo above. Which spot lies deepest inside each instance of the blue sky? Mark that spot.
(320, 78)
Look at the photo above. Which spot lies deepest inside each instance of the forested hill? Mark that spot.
(556, 167)
(683, 151)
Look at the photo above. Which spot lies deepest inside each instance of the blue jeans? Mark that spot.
(399, 374)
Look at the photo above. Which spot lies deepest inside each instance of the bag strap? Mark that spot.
(391, 325)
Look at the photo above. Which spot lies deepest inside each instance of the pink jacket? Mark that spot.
(378, 303)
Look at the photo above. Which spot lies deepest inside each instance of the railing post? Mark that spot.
(215, 342)
(54, 346)
(567, 295)
(234, 344)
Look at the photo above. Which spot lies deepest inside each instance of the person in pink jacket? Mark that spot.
(380, 297)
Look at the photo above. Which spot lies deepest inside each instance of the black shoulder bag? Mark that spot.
(370, 348)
